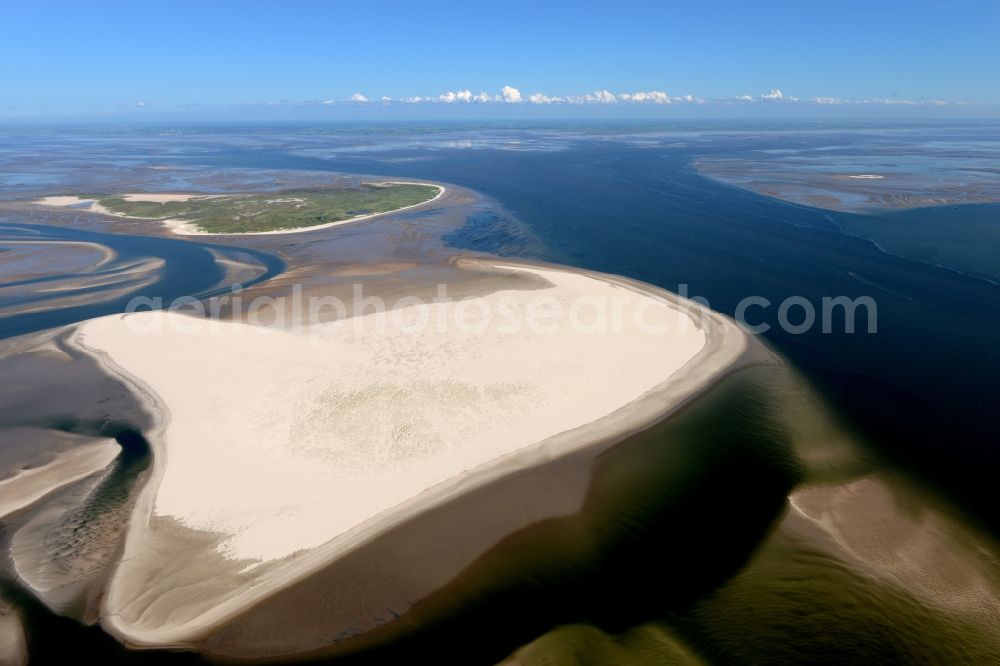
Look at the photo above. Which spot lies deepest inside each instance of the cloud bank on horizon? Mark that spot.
(511, 95)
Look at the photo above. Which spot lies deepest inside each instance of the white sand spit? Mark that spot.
(30, 485)
(66, 201)
(61, 201)
(166, 197)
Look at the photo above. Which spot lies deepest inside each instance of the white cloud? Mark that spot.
(904, 102)
(775, 95)
(596, 97)
(601, 97)
(539, 98)
(511, 95)
(464, 96)
(653, 97)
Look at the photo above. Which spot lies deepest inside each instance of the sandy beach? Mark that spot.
(324, 438)
(62, 201)
(70, 201)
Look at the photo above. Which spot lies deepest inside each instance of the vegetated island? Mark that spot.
(257, 213)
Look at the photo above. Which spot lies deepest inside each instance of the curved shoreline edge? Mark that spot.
(724, 349)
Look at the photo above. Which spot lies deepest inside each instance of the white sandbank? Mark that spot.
(60, 201)
(153, 197)
(165, 197)
(30, 485)
(67, 201)
(301, 444)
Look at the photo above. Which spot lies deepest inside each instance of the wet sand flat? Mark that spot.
(30, 485)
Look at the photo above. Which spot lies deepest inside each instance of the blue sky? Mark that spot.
(151, 57)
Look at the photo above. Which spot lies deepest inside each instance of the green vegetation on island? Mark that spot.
(293, 209)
